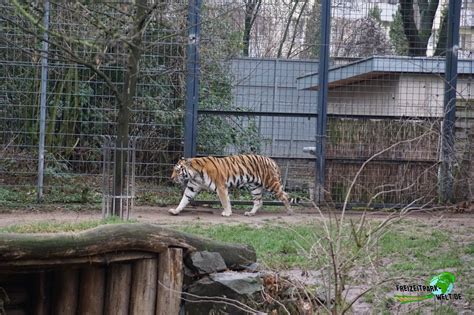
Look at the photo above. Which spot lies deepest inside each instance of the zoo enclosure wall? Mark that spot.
(258, 64)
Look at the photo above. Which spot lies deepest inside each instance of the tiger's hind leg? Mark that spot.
(283, 196)
(277, 189)
(256, 192)
(223, 194)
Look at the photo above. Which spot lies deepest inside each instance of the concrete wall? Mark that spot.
(269, 85)
(373, 97)
(412, 95)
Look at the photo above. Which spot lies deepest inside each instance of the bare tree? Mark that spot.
(312, 31)
(360, 38)
(297, 29)
(252, 7)
(119, 30)
(287, 28)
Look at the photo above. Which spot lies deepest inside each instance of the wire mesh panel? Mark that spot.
(88, 58)
(387, 105)
(386, 93)
(249, 100)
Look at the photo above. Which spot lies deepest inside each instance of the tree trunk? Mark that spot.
(443, 36)
(415, 46)
(418, 37)
(126, 103)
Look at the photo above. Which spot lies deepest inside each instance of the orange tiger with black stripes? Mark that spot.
(219, 174)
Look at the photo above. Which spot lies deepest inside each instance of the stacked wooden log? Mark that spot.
(112, 269)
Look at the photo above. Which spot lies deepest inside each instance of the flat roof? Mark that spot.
(375, 66)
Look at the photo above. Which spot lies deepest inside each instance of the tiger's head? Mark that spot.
(181, 173)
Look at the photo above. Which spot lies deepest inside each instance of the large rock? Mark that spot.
(243, 283)
(220, 293)
(204, 263)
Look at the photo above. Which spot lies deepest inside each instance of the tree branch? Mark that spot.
(287, 28)
(38, 25)
(72, 57)
(290, 50)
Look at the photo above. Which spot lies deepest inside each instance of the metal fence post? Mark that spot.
(446, 179)
(43, 99)
(192, 78)
(322, 99)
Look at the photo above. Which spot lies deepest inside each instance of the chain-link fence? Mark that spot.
(247, 74)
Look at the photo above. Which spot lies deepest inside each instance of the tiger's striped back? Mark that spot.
(235, 170)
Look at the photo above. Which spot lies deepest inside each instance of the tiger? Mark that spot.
(218, 174)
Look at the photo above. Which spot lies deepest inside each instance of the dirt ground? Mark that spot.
(449, 220)
(159, 215)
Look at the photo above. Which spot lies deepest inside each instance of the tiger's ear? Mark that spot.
(185, 161)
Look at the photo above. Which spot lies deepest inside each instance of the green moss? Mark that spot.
(54, 227)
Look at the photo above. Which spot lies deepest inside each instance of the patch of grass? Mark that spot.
(410, 250)
(468, 292)
(9, 197)
(369, 297)
(445, 310)
(469, 250)
(54, 227)
(414, 249)
(276, 246)
(72, 192)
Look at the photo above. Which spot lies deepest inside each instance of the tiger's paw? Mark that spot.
(226, 213)
(249, 214)
(173, 211)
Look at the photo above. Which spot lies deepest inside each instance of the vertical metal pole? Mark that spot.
(192, 78)
(322, 99)
(132, 201)
(446, 179)
(43, 99)
(104, 178)
(275, 90)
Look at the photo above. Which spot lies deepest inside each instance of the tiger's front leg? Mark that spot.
(223, 194)
(189, 194)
